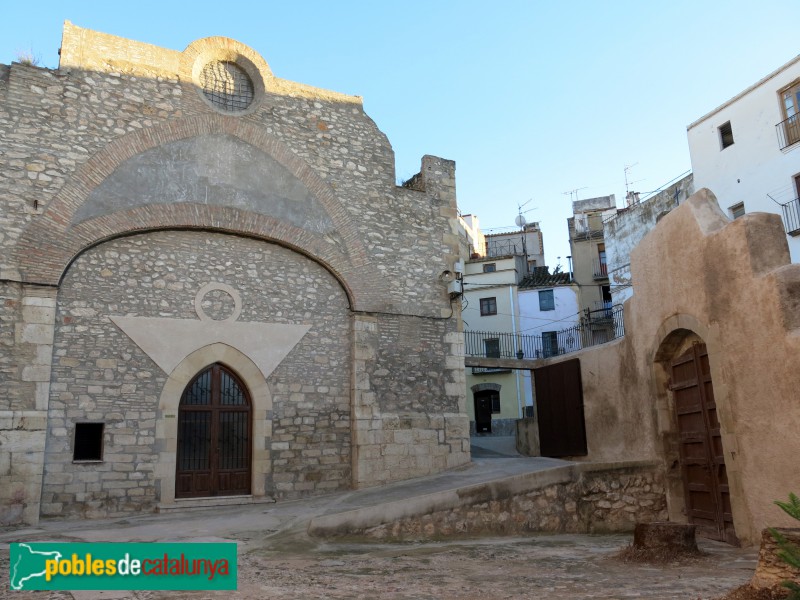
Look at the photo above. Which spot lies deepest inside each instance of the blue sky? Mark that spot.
(531, 99)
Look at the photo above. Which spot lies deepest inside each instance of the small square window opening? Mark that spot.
(88, 441)
(490, 267)
(725, 135)
(546, 300)
(488, 306)
(492, 347)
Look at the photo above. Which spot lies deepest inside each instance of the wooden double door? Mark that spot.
(214, 436)
(705, 478)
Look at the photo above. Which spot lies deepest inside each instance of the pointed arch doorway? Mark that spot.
(214, 436)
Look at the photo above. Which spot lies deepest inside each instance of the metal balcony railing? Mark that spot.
(788, 131)
(596, 327)
(600, 269)
(791, 216)
(496, 248)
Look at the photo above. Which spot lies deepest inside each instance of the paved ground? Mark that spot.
(277, 559)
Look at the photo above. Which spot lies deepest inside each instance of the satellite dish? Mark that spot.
(520, 221)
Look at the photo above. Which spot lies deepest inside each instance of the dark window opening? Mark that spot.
(726, 135)
(88, 441)
(490, 267)
(550, 343)
(546, 300)
(495, 403)
(492, 347)
(488, 306)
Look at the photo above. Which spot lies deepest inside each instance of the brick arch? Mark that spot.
(51, 241)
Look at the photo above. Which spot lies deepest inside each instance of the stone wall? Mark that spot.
(124, 189)
(104, 376)
(772, 570)
(398, 435)
(592, 499)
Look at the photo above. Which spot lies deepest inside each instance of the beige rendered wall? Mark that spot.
(702, 277)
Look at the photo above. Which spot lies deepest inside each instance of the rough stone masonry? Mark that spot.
(162, 212)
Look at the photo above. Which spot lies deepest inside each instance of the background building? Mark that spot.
(527, 241)
(495, 397)
(747, 151)
(587, 244)
(624, 230)
(548, 305)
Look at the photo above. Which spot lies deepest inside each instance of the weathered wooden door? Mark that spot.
(705, 480)
(214, 436)
(483, 410)
(559, 402)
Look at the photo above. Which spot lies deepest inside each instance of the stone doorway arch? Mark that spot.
(181, 377)
(698, 486)
(214, 436)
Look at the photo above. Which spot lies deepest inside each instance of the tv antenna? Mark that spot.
(630, 183)
(574, 192)
(521, 222)
(520, 218)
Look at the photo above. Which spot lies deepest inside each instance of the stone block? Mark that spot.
(37, 334)
(35, 373)
(38, 314)
(21, 441)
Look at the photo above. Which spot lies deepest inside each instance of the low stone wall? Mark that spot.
(771, 570)
(583, 498)
(500, 427)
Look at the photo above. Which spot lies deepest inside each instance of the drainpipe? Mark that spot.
(514, 331)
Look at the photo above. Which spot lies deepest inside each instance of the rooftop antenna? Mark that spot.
(574, 192)
(630, 197)
(627, 183)
(520, 221)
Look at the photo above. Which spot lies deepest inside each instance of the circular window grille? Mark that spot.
(226, 85)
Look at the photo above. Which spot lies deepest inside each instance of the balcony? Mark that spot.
(788, 131)
(791, 216)
(596, 327)
(497, 248)
(600, 269)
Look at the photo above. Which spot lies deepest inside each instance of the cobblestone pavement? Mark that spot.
(547, 566)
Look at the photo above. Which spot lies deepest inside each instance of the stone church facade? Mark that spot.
(211, 289)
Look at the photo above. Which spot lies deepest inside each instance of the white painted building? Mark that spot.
(747, 151)
(549, 304)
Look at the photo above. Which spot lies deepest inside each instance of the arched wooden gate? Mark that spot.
(705, 479)
(214, 431)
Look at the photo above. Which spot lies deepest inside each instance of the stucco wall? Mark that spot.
(702, 277)
(626, 229)
(533, 321)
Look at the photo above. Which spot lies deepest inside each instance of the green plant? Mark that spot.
(789, 552)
